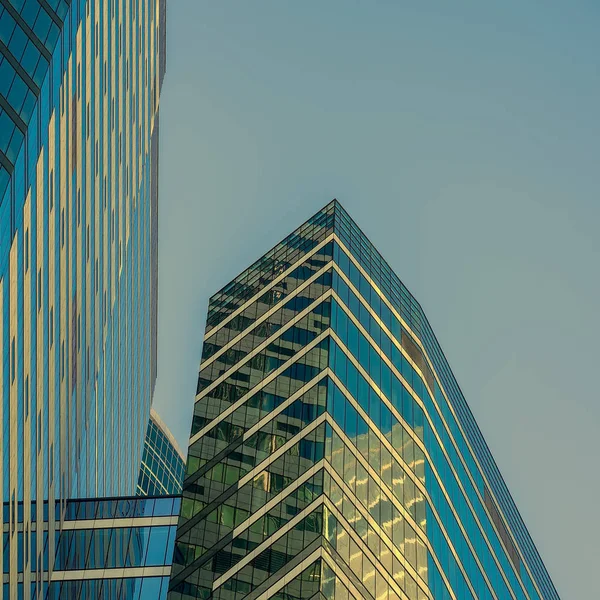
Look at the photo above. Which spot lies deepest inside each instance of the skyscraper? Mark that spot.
(163, 463)
(79, 96)
(332, 451)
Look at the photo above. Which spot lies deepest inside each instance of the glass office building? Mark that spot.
(111, 548)
(332, 453)
(163, 462)
(79, 97)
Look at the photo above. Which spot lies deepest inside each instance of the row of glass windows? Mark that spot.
(377, 503)
(154, 479)
(277, 555)
(260, 529)
(122, 508)
(284, 424)
(101, 509)
(247, 499)
(161, 446)
(378, 411)
(268, 267)
(99, 548)
(267, 328)
(19, 539)
(381, 461)
(131, 588)
(276, 294)
(255, 369)
(373, 571)
(114, 548)
(300, 370)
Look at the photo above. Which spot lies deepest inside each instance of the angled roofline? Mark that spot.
(154, 416)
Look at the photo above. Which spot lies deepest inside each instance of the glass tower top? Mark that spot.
(332, 451)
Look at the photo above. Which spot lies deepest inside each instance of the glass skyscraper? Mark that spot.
(332, 453)
(79, 97)
(163, 463)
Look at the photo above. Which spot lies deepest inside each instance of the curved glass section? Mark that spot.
(163, 463)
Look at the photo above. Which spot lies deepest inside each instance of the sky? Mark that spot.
(464, 139)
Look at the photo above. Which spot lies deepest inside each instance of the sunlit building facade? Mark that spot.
(79, 97)
(163, 462)
(332, 451)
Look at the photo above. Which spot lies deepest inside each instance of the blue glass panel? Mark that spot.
(157, 546)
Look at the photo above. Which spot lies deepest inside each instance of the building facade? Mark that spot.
(332, 451)
(112, 548)
(163, 462)
(79, 97)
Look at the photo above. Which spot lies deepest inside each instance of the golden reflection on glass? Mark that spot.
(381, 587)
(362, 480)
(362, 443)
(356, 559)
(374, 495)
(410, 545)
(397, 437)
(343, 544)
(335, 495)
(398, 477)
(399, 574)
(386, 467)
(373, 541)
(350, 470)
(420, 509)
(329, 526)
(386, 516)
(385, 557)
(262, 481)
(368, 577)
(421, 559)
(337, 455)
(341, 591)
(374, 451)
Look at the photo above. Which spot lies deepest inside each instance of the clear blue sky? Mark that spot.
(464, 138)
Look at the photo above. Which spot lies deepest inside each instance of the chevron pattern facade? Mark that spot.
(332, 453)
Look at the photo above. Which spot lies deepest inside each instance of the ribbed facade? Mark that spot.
(79, 95)
(163, 463)
(332, 453)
